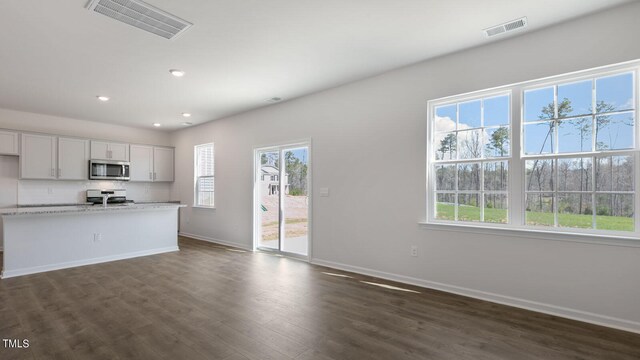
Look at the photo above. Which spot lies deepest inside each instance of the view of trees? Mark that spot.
(448, 147)
(270, 158)
(296, 168)
(575, 174)
(290, 207)
(576, 187)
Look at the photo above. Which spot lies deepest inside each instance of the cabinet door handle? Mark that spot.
(59, 172)
(154, 175)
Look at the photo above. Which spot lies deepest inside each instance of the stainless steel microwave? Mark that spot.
(108, 170)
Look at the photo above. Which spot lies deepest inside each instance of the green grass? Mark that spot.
(472, 213)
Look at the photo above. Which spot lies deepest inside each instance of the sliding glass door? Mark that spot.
(282, 199)
(268, 186)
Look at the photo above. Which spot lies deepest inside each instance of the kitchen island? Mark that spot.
(38, 239)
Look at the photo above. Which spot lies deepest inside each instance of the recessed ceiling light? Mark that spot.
(186, 114)
(274, 99)
(186, 123)
(157, 124)
(103, 98)
(176, 72)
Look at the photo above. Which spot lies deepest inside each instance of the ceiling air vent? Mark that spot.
(506, 27)
(141, 15)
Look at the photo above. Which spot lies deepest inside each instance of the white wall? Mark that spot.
(371, 218)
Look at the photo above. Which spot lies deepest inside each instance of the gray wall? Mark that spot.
(369, 149)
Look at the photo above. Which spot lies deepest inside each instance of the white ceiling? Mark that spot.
(56, 56)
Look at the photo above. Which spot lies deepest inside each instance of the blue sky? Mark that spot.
(496, 112)
(612, 131)
(574, 135)
(300, 153)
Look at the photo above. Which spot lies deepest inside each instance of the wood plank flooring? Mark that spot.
(207, 302)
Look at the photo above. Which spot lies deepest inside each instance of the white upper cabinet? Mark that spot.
(8, 143)
(38, 157)
(99, 150)
(141, 163)
(63, 158)
(102, 150)
(163, 164)
(119, 152)
(149, 163)
(73, 159)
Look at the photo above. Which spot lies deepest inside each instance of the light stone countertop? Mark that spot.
(45, 210)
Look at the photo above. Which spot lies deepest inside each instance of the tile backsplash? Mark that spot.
(32, 192)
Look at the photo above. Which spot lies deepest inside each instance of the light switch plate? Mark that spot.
(324, 192)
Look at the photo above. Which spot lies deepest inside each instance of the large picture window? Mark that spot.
(471, 140)
(578, 144)
(204, 176)
(572, 166)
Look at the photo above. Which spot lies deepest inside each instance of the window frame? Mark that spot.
(481, 161)
(197, 176)
(516, 190)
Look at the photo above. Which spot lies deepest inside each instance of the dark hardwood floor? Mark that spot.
(208, 302)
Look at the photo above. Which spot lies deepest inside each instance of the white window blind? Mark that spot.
(204, 175)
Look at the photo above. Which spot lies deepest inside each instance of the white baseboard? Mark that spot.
(70, 264)
(564, 312)
(215, 241)
(573, 314)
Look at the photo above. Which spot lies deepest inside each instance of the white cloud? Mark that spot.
(444, 124)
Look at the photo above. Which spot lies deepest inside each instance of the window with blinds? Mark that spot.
(204, 175)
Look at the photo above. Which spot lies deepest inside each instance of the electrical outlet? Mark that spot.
(97, 237)
(50, 191)
(414, 250)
